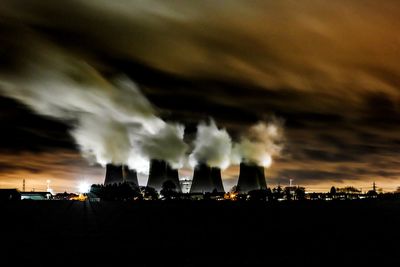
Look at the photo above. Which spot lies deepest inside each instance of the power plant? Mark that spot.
(206, 179)
(130, 176)
(217, 179)
(113, 174)
(160, 172)
(116, 174)
(251, 177)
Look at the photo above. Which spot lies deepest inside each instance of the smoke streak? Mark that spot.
(212, 146)
(166, 144)
(262, 142)
(112, 121)
(102, 140)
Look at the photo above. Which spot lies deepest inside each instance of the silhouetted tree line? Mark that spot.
(168, 190)
(127, 191)
(117, 191)
(275, 194)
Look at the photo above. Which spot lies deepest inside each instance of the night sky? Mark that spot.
(329, 71)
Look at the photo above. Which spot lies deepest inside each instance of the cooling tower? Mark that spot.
(130, 176)
(261, 177)
(206, 179)
(173, 175)
(217, 179)
(201, 181)
(113, 174)
(251, 177)
(160, 172)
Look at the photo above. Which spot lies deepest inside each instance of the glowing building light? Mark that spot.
(83, 187)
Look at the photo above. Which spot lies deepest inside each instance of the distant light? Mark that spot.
(84, 187)
(48, 186)
(266, 161)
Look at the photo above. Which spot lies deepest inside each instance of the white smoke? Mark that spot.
(112, 121)
(212, 146)
(166, 144)
(102, 140)
(262, 142)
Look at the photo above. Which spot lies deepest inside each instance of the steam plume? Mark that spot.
(112, 121)
(260, 144)
(212, 146)
(166, 144)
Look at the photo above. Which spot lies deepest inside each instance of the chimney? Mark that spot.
(113, 174)
(160, 172)
(251, 177)
(201, 181)
(173, 175)
(206, 179)
(217, 179)
(261, 177)
(130, 176)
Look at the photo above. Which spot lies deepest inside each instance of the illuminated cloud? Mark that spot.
(330, 69)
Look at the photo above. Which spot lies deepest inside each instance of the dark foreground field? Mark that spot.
(199, 233)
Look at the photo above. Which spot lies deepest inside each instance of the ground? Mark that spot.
(163, 233)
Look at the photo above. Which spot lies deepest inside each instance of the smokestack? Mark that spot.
(173, 175)
(113, 174)
(251, 177)
(217, 179)
(130, 176)
(206, 179)
(201, 182)
(261, 177)
(160, 172)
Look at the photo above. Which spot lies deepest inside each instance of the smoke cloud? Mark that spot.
(212, 146)
(166, 144)
(262, 142)
(102, 140)
(112, 122)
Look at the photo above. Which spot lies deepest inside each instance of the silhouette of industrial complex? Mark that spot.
(251, 177)
(119, 174)
(160, 172)
(206, 179)
(121, 183)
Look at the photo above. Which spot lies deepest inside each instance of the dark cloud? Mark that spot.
(22, 130)
(311, 176)
(7, 168)
(314, 154)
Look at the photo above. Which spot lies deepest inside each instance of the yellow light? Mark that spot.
(81, 197)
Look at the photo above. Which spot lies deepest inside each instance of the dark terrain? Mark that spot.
(161, 233)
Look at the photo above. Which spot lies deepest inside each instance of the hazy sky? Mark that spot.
(329, 70)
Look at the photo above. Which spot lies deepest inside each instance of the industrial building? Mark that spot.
(113, 174)
(160, 172)
(206, 179)
(251, 177)
(119, 174)
(10, 194)
(36, 195)
(130, 176)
